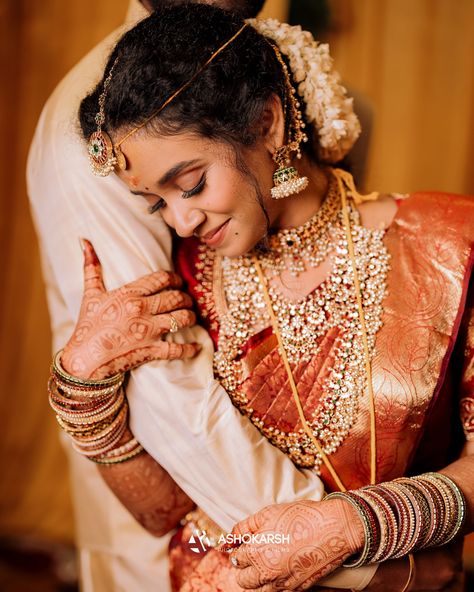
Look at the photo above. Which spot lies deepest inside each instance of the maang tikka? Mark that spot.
(100, 148)
(286, 179)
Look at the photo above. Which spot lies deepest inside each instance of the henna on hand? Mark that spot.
(321, 536)
(148, 492)
(121, 329)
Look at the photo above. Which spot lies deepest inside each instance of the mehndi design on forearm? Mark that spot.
(149, 493)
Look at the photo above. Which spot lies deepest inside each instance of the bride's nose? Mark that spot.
(186, 218)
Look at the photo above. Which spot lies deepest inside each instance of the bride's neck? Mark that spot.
(297, 209)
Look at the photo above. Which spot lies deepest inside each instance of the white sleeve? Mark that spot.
(178, 411)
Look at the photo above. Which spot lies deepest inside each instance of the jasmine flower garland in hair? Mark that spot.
(327, 105)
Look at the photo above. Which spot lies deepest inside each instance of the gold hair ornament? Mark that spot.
(100, 147)
(286, 179)
(106, 156)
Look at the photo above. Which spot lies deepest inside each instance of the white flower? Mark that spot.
(327, 106)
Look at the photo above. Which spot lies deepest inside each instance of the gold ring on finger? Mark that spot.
(174, 327)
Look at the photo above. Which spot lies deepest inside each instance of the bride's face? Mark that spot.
(196, 186)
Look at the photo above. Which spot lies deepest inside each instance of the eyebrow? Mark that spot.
(172, 172)
(176, 170)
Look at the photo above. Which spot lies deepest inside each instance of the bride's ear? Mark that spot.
(272, 124)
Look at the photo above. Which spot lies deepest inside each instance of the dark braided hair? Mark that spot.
(163, 51)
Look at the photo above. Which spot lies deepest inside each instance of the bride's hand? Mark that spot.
(321, 536)
(122, 329)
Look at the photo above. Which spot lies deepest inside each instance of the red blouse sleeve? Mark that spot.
(194, 262)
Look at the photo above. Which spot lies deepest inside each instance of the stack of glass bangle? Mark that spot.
(406, 515)
(94, 413)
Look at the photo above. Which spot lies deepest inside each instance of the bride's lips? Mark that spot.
(215, 237)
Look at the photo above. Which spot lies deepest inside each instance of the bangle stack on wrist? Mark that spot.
(406, 515)
(94, 413)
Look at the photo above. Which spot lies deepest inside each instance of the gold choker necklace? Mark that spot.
(296, 249)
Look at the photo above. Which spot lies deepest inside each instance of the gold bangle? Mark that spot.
(411, 573)
(59, 371)
(119, 459)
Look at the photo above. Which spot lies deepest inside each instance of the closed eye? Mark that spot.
(186, 194)
(158, 205)
(196, 189)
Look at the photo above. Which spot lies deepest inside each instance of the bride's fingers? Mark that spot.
(250, 524)
(173, 322)
(167, 301)
(143, 331)
(161, 350)
(270, 588)
(93, 281)
(165, 350)
(153, 283)
(240, 557)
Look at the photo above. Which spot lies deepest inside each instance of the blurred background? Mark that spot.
(412, 59)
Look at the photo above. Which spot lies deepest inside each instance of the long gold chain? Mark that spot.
(291, 379)
(368, 365)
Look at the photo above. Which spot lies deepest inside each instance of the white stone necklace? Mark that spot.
(304, 324)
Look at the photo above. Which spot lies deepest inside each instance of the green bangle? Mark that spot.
(59, 371)
(364, 556)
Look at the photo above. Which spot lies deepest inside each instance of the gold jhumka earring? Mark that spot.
(286, 178)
